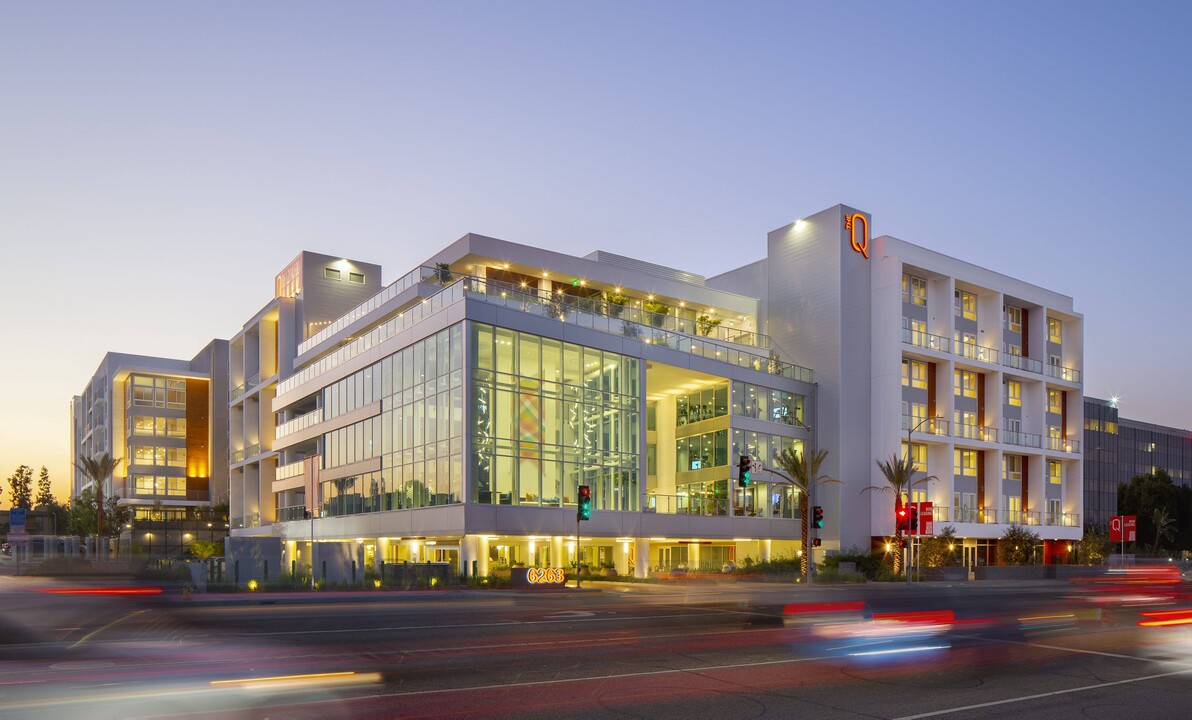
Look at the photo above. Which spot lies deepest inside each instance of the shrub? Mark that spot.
(1018, 546)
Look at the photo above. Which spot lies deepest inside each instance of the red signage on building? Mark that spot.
(926, 519)
(1118, 523)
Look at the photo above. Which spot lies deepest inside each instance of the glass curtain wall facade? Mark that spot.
(418, 433)
(550, 416)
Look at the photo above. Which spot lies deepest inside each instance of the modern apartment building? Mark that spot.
(1116, 449)
(309, 294)
(165, 421)
(978, 372)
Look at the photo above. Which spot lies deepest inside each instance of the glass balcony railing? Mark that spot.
(1063, 373)
(974, 432)
(918, 338)
(237, 391)
(286, 514)
(290, 470)
(686, 505)
(930, 426)
(1022, 439)
(639, 325)
(575, 313)
(410, 279)
(301, 422)
(974, 351)
(987, 516)
(1018, 362)
(237, 455)
(1059, 444)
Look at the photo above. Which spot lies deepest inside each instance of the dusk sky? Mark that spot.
(160, 162)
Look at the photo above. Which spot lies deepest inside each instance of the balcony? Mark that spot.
(974, 432)
(926, 340)
(1018, 362)
(286, 514)
(1063, 373)
(686, 505)
(973, 351)
(1022, 439)
(240, 455)
(290, 470)
(236, 391)
(1059, 444)
(986, 516)
(301, 422)
(932, 426)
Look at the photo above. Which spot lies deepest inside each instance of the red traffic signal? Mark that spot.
(913, 524)
(816, 542)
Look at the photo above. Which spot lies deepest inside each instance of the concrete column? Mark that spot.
(558, 552)
(641, 560)
(765, 550)
(621, 556)
(692, 557)
(469, 550)
(482, 553)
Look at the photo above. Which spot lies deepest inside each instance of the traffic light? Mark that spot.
(585, 502)
(817, 517)
(816, 542)
(900, 517)
(743, 471)
(913, 525)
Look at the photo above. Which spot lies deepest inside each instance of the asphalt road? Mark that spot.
(736, 650)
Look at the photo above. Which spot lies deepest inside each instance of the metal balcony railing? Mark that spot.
(921, 339)
(1060, 444)
(685, 505)
(974, 351)
(931, 426)
(1022, 439)
(1018, 362)
(301, 422)
(1063, 373)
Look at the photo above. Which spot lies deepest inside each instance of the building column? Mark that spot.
(692, 557)
(641, 557)
(764, 547)
(621, 556)
(558, 556)
(469, 549)
(482, 550)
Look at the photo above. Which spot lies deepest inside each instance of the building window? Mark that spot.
(332, 274)
(1054, 474)
(1012, 349)
(1014, 393)
(1055, 401)
(964, 383)
(1012, 467)
(965, 462)
(914, 374)
(914, 290)
(917, 455)
(1013, 318)
(356, 278)
(966, 305)
(966, 424)
(1054, 329)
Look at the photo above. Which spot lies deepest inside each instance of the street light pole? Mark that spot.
(911, 553)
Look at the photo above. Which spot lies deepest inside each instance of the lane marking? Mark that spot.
(1037, 696)
(1061, 648)
(503, 623)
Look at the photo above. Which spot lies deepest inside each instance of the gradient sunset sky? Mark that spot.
(160, 162)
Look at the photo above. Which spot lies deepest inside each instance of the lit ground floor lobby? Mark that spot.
(479, 555)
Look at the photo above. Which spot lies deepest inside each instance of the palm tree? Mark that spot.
(805, 471)
(899, 473)
(98, 469)
(1164, 526)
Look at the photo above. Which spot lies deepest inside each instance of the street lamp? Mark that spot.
(910, 469)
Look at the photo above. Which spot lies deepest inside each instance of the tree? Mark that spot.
(1146, 493)
(806, 472)
(98, 469)
(1164, 526)
(45, 493)
(1093, 548)
(82, 515)
(899, 474)
(1018, 546)
(939, 550)
(21, 482)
